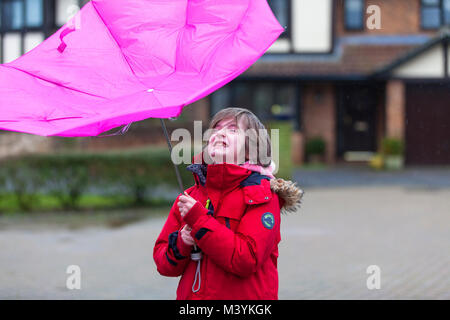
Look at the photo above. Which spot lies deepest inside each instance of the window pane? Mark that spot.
(284, 105)
(281, 11)
(446, 6)
(34, 16)
(242, 95)
(354, 14)
(431, 18)
(221, 99)
(263, 101)
(430, 2)
(12, 14)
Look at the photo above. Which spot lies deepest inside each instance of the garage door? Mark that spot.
(428, 124)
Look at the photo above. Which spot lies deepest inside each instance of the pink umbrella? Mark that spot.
(120, 61)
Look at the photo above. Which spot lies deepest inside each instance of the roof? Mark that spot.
(442, 39)
(351, 61)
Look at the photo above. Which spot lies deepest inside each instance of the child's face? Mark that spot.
(227, 142)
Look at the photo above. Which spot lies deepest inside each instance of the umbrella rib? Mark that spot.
(117, 43)
(49, 81)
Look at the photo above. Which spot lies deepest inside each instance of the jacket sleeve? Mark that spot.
(243, 251)
(170, 253)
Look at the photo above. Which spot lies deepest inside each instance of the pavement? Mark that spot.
(348, 176)
(325, 250)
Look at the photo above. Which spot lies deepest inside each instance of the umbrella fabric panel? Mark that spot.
(130, 60)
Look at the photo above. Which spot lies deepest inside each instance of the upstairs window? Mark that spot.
(354, 14)
(434, 14)
(21, 27)
(431, 14)
(19, 14)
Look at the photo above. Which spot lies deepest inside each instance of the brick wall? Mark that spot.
(395, 109)
(319, 116)
(397, 17)
(15, 143)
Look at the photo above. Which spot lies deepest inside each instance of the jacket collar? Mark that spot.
(223, 177)
(220, 179)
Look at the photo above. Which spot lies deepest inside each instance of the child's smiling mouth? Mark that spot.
(221, 143)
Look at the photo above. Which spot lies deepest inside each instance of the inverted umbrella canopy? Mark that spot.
(120, 61)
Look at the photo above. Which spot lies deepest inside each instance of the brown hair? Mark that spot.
(258, 133)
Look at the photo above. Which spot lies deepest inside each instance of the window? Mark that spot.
(354, 14)
(282, 11)
(268, 100)
(21, 27)
(431, 14)
(435, 13)
(446, 9)
(12, 18)
(34, 16)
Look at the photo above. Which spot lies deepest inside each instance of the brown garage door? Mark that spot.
(428, 124)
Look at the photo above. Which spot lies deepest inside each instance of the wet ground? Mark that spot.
(325, 250)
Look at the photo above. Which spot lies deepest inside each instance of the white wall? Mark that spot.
(312, 25)
(311, 28)
(429, 64)
(11, 46)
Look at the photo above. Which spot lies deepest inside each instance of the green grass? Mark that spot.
(285, 149)
(47, 203)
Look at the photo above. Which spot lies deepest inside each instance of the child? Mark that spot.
(222, 234)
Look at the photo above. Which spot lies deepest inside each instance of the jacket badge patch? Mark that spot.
(268, 220)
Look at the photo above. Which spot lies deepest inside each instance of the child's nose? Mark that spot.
(221, 132)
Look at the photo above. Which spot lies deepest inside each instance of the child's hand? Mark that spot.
(186, 235)
(185, 203)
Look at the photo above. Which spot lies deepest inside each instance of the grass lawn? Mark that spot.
(48, 203)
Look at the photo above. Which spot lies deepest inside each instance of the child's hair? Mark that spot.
(258, 133)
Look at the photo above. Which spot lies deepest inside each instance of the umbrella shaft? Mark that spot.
(177, 172)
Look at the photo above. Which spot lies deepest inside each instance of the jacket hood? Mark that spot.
(288, 192)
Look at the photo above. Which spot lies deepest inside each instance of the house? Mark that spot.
(353, 85)
(333, 73)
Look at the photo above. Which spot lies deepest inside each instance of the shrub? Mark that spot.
(392, 147)
(69, 176)
(315, 146)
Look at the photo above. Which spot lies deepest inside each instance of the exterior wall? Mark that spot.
(312, 25)
(298, 147)
(429, 64)
(395, 109)
(319, 116)
(14, 143)
(397, 17)
(310, 29)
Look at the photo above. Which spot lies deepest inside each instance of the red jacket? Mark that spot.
(238, 236)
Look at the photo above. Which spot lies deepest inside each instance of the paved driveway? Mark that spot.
(324, 253)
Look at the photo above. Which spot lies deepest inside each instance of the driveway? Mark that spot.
(324, 253)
